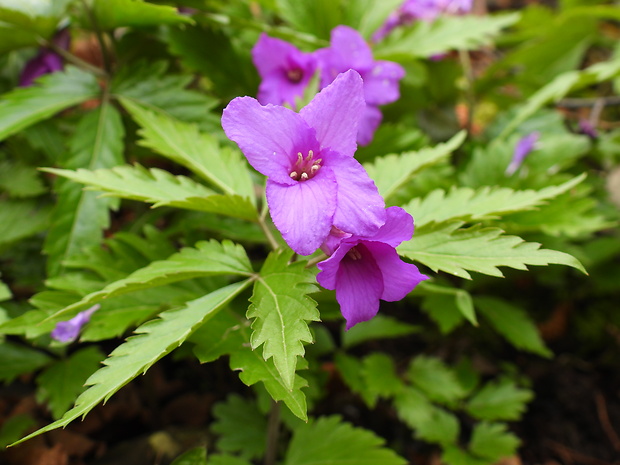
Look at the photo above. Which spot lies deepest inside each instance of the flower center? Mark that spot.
(354, 254)
(295, 75)
(305, 168)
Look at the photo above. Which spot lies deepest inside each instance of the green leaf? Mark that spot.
(223, 459)
(195, 456)
(391, 172)
(438, 382)
(20, 180)
(454, 455)
(54, 92)
(12, 38)
(254, 368)
(183, 143)
(445, 303)
(429, 422)
(447, 248)
(492, 441)
(468, 204)
(501, 400)
(241, 427)
(514, 324)
(20, 219)
(39, 16)
(148, 84)
(380, 378)
(334, 442)
(207, 259)
(281, 309)
(380, 327)
(18, 359)
(15, 427)
(61, 382)
(428, 38)
(153, 340)
(560, 87)
(111, 14)
(374, 15)
(160, 188)
(80, 217)
(5, 292)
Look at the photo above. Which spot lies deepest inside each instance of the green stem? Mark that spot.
(74, 60)
(273, 434)
(104, 50)
(469, 90)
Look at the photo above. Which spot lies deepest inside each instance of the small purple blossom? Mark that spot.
(523, 148)
(348, 50)
(285, 71)
(313, 182)
(47, 61)
(365, 269)
(68, 331)
(421, 10)
(587, 128)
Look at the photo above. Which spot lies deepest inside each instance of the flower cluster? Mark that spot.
(421, 10)
(286, 72)
(319, 196)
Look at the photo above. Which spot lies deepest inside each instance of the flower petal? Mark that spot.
(381, 83)
(359, 287)
(398, 227)
(335, 113)
(368, 124)
(267, 135)
(399, 277)
(327, 277)
(360, 209)
(303, 211)
(351, 48)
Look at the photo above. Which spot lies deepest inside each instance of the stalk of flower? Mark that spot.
(365, 269)
(46, 61)
(523, 148)
(285, 70)
(68, 331)
(313, 181)
(349, 50)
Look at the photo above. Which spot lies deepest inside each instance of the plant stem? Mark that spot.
(470, 98)
(104, 50)
(272, 240)
(273, 434)
(74, 59)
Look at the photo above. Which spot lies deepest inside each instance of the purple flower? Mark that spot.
(587, 128)
(523, 148)
(313, 182)
(46, 61)
(348, 50)
(421, 10)
(366, 269)
(284, 70)
(68, 331)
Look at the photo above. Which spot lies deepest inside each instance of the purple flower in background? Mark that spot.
(421, 10)
(587, 128)
(47, 61)
(313, 182)
(366, 269)
(348, 50)
(523, 148)
(284, 70)
(68, 331)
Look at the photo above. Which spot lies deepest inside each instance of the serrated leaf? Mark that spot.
(207, 259)
(241, 427)
(111, 14)
(380, 378)
(438, 382)
(560, 87)
(183, 143)
(148, 84)
(442, 309)
(492, 442)
(514, 324)
(20, 219)
(18, 359)
(447, 248)
(501, 400)
(61, 382)
(444, 303)
(54, 92)
(335, 442)
(281, 309)
(153, 340)
(380, 327)
(195, 456)
(80, 217)
(428, 421)
(468, 204)
(428, 38)
(160, 188)
(391, 172)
